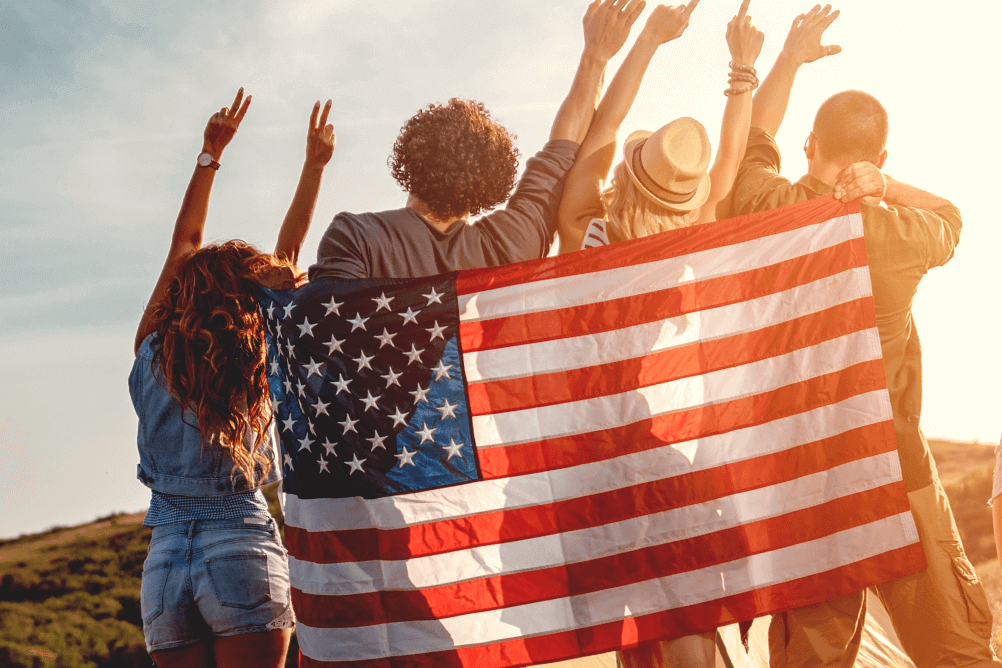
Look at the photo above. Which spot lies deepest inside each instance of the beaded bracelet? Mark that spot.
(742, 68)
(737, 91)
(739, 76)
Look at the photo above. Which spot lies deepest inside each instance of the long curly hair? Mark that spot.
(212, 349)
(633, 214)
(455, 158)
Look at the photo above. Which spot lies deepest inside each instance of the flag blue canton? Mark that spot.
(367, 386)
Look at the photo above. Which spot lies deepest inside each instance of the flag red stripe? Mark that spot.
(699, 358)
(697, 618)
(648, 307)
(565, 451)
(324, 547)
(573, 579)
(719, 234)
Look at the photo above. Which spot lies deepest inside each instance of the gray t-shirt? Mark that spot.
(402, 244)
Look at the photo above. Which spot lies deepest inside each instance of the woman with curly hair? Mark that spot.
(454, 161)
(215, 587)
(661, 184)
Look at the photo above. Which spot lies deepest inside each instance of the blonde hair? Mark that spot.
(634, 215)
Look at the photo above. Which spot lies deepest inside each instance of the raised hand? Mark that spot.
(743, 39)
(861, 180)
(803, 43)
(667, 22)
(607, 24)
(320, 137)
(223, 125)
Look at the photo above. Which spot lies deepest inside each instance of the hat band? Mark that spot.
(653, 186)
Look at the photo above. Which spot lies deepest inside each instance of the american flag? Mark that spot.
(534, 462)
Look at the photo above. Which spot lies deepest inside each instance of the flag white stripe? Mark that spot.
(640, 340)
(556, 615)
(597, 542)
(637, 279)
(395, 512)
(616, 410)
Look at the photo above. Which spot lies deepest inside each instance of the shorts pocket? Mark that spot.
(151, 592)
(240, 581)
(979, 615)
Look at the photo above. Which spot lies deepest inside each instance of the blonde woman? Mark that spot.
(662, 183)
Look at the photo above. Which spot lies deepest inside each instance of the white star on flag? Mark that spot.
(385, 339)
(313, 368)
(306, 329)
(391, 378)
(288, 424)
(341, 384)
(447, 409)
(409, 316)
(436, 331)
(377, 441)
(453, 449)
(274, 367)
(329, 447)
(332, 307)
(425, 434)
(320, 407)
(305, 443)
(291, 349)
(288, 386)
(420, 394)
(271, 310)
(406, 457)
(382, 301)
(288, 308)
(434, 297)
(414, 355)
(348, 424)
(399, 419)
(323, 465)
(371, 401)
(355, 464)
(300, 388)
(288, 461)
(442, 370)
(358, 322)
(363, 361)
(334, 345)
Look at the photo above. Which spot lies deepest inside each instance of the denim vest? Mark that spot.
(173, 457)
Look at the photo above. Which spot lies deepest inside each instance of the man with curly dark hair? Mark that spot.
(455, 161)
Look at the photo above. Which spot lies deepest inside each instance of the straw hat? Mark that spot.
(669, 165)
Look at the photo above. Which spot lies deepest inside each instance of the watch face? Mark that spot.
(204, 159)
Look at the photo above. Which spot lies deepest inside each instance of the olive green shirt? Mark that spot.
(902, 244)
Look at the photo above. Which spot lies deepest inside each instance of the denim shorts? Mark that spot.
(210, 578)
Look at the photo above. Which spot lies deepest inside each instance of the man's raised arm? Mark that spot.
(803, 45)
(607, 24)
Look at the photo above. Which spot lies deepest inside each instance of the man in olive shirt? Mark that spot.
(941, 614)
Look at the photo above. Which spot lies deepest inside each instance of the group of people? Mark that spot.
(215, 587)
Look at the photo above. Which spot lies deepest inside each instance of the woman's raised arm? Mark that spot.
(745, 43)
(582, 198)
(195, 205)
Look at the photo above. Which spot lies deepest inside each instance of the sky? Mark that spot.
(102, 106)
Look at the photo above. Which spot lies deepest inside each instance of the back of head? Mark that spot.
(633, 214)
(212, 348)
(851, 126)
(455, 158)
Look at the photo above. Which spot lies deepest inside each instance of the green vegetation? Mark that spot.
(69, 597)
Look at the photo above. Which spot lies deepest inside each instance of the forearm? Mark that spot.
(622, 92)
(297, 220)
(578, 108)
(773, 95)
(902, 194)
(730, 151)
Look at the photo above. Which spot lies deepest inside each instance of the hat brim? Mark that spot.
(698, 198)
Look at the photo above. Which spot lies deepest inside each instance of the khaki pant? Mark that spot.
(941, 614)
(693, 651)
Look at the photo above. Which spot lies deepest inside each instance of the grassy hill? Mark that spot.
(69, 597)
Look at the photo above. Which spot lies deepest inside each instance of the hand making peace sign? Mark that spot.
(223, 125)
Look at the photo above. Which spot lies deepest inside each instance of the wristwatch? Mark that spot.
(205, 160)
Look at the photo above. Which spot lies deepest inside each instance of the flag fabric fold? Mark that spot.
(529, 463)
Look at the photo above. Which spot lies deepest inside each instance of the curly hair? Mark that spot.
(455, 158)
(212, 349)
(635, 215)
